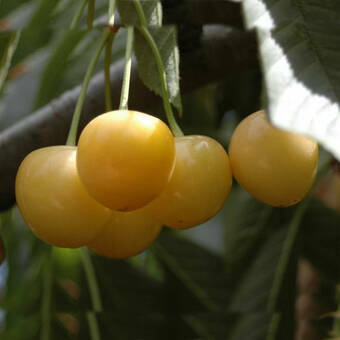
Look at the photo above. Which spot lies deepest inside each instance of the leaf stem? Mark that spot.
(76, 18)
(71, 139)
(91, 280)
(160, 66)
(90, 13)
(46, 298)
(124, 96)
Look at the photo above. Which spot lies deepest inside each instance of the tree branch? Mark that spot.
(203, 12)
(222, 51)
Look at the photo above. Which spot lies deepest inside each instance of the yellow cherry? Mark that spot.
(200, 183)
(125, 158)
(275, 166)
(54, 202)
(126, 234)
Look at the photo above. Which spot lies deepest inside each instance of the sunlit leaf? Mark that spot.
(299, 44)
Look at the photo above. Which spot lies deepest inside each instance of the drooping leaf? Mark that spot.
(53, 71)
(320, 240)
(8, 46)
(38, 31)
(250, 299)
(336, 315)
(166, 41)
(254, 238)
(20, 327)
(198, 270)
(152, 11)
(245, 231)
(195, 286)
(300, 50)
(10, 6)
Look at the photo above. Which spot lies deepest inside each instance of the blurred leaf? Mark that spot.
(133, 302)
(55, 67)
(21, 328)
(198, 270)
(196, 286)
(9, 6)
(245, 231)
(251, 296)
(254, 238)
(211, 326)
(38, 31)
(336, 325)
(152, 10)
(300, 48)
(17, 100)
(320, 240)
(166, 40)
(6, 55)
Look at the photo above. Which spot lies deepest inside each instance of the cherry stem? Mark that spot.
(72, 136)
(176, 130)
(94, 293)
(45, 311)
(78, 15)
(108, 55)
(112, 6)
(91, 280)
(140, 13)
(124, 96)
(93, 325)
(90, 13)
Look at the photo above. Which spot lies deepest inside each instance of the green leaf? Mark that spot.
(250, 299)
(20, 327)
(245, 231)
(299, 44)
(7, 7)
(38, 31)
(199, 272)
(152, 10)
(321, 240)
(196, 284)
(336, 324)
(166, 40)
(54, 69)
(254, 238)
(10, 45)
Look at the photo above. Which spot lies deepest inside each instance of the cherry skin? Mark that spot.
(199, 185)
(125, 158)
(126, 234)
(275, 166)
(53, 201)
